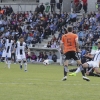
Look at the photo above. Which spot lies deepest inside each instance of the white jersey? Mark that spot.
(97, 56)
(20, 47)
(20, 50)
(7, 48)
(8, 45)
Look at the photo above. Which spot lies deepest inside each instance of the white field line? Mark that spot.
(47, 80)
(16, 83)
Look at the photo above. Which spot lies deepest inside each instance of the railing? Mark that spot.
(30, 6)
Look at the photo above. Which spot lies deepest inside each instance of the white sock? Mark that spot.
(25, 66)
(20, 63)
(9, 62)
(6, 62)
(78, 70)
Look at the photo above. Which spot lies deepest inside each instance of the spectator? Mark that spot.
(54, 57)
(85, 5)
(52, 3)
(33, 57)
(52, 45)
(76, 3)
(28, 57)
(40, 57)
(42, 8)
(45, 56)
(73, 17)
(49, 45)
(50, 56)
(37, 9)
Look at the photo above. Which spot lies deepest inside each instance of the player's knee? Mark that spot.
(85, 65)
(19, 62)
(24, 61)
(9, 58)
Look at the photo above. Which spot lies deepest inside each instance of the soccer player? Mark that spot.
(20, 52)
(89, 72)
(70, 47)
(94, 63)
(8, 42)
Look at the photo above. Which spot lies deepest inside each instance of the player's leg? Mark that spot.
(19, 59)
(4, 57)
(25, 65)
(67, 57)
(73, 70)
(9, 62)
(65, 70)
(80, 68)
(25, 62)
(92, 68)
(96, 67)
(9, 59)
(75, 56)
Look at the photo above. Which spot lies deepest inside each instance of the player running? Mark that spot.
(6, 55)
(20, 52)
(69, 47)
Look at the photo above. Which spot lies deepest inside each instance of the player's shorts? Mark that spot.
(5, 54)
(93, 64)
(71, 55)
(21, 57)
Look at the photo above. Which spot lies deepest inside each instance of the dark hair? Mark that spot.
(70, 29)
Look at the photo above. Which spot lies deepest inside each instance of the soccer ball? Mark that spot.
(45, 62)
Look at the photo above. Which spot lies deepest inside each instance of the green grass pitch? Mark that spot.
(44, 83)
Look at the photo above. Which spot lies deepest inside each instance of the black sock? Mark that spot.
(93, 74)
(72, 70)
(65, 70)
(82, 70)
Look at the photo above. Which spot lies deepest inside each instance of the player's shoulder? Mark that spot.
(64, 35)
(24, 43)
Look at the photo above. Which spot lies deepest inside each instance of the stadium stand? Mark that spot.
(42, 29)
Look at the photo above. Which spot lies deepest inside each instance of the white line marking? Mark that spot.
(15, 83)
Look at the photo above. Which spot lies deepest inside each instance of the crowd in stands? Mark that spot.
(38, 25)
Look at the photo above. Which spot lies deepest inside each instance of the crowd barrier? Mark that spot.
(22, 7)
(48, 50)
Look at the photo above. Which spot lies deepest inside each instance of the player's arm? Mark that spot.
(77, 44)
(62, 44)
(28, 50)
(89, 55)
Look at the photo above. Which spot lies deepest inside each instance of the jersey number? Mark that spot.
(69, 42)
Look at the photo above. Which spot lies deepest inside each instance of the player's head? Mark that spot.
(70, 29)
(21, 39)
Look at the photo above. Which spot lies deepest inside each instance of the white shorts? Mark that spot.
(4, 54)
(93, 64)
(21, 57)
